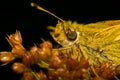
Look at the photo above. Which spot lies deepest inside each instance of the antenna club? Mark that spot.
(33, 4)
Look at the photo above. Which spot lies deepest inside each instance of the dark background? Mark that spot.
(32, 23)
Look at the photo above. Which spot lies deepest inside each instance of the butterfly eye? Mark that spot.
(72, 35)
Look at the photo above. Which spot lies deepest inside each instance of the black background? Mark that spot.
(32, 23)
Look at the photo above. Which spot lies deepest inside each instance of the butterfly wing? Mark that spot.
(107, 40)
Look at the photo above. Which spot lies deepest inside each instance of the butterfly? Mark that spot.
(98, 42)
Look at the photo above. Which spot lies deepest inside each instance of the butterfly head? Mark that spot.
(65, 32)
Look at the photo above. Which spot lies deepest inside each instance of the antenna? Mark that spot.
(42, 9)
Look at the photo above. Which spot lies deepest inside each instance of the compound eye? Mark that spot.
(72, 35)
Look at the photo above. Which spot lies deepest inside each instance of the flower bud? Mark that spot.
(46, 44)
(18, 67)
(46, 48)
(14, 39)
(28, 76)
(6, 57)
(28, 59)
(41, 75)
(34, 51)
(19, 51)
